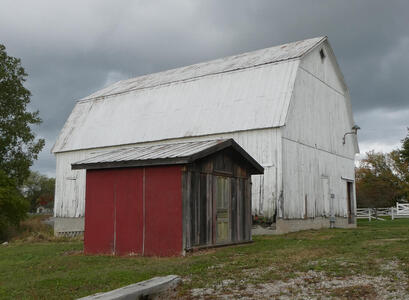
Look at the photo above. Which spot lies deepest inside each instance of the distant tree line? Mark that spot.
(38, 190)
(382, 179)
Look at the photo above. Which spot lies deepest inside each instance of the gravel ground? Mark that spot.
(393, 284)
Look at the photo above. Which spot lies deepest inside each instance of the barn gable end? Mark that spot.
(320, 108)
(316, 163)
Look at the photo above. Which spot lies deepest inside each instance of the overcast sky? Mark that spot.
(73, 48)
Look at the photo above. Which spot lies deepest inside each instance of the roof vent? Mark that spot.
(322, 54)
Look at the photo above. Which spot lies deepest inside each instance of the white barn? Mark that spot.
(288, 106)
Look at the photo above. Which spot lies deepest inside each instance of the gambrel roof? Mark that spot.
(236, 93)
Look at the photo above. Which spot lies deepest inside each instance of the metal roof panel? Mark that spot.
(231, 63)
(238, 93)
(161, 154)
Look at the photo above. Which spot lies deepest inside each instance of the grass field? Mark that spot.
(371, 261)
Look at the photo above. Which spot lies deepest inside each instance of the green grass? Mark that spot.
(58, 269)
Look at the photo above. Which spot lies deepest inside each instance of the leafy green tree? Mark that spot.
(382, 179)
(404, 152)
(376, 183)
(401, 170)
(18, 145)
(39, 190)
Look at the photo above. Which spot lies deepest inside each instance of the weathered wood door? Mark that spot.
(222, 210)
(350, 202)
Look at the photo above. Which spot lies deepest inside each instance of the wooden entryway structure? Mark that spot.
(217, 200)
(166, 199)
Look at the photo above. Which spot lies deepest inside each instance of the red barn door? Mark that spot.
(134, 210)
(113, 211)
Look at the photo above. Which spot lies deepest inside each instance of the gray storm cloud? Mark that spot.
(73, 48)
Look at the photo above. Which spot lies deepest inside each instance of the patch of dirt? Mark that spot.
(393, 284)
(306, 254)
(355, 292)
(312, 235)
(73, 253)
(380, 242)
(199, 252)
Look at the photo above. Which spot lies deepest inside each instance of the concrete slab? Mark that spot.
(285, 226)
(156, 287)
(68, 226)
(259, 230)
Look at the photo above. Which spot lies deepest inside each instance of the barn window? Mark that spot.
(322, 54)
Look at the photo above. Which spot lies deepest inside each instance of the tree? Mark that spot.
(39, 190)
(18, 145)
(376, 183)
(382, 179)
(404, 152)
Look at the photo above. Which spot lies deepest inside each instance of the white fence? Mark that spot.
(400, 211)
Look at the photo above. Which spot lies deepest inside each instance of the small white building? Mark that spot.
(288, 106)
(43, 210)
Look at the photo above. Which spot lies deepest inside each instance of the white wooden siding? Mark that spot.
(304, 167)
(326, 70)
(312, 141)
(263, 144)
(318, 116)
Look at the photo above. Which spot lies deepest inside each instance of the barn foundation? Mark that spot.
(75, 226)
(285, 226)
(68, 226)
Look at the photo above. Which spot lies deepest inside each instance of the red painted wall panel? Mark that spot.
(129, 218)
(99, 212)
(163, 232)
(115, 215)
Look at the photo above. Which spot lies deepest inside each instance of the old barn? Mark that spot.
(288, 106)
(166, 199)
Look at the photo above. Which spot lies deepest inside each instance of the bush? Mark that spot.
(13, 206)
(33, 229)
